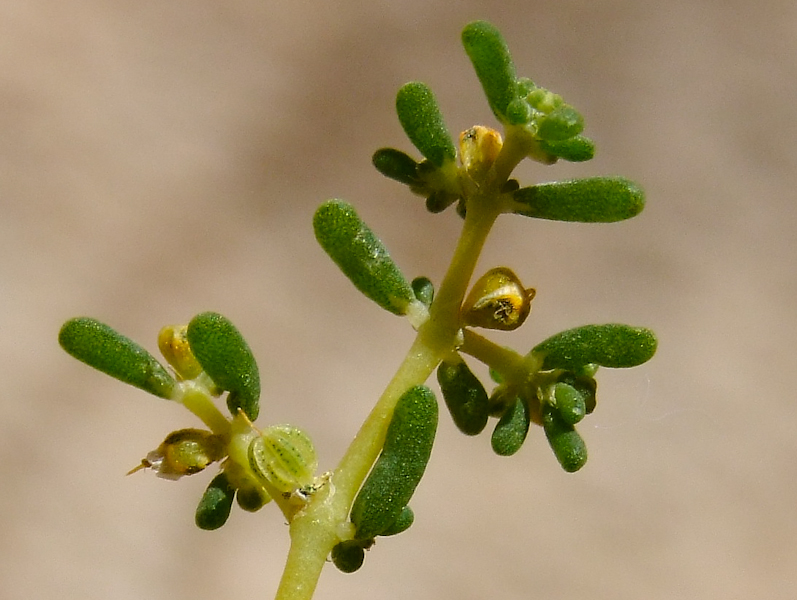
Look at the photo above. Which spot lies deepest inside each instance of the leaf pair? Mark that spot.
(214, 341)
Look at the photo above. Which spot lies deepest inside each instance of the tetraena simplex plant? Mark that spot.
(339, 514)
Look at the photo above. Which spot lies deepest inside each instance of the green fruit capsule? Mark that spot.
(405, 519)
(465, 396)
(567, 445)
(570, 403)
(216, 503)
(613, 345)
(422, 122)
(361, 256)
(348, 556)
(225, 356)
(497, 301)
(512, 429)
(103, 348)
(284, 456)
(397, 471)
(589, 200)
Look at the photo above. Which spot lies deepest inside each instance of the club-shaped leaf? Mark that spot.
(226, 358)
(570, 403)
(214, 507)
(512, 429)
(465, 396)
(567, 445)
(420, 117)
(591, 200)
(361, 256)
(613, 345)
(575, 149)
(398, 470)
(396, 165)
(103, 348)
(493, 64)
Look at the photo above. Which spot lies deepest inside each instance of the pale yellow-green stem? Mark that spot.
(317, 528)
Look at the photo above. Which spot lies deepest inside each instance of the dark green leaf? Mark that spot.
(567, 445)
(398, 470)
(405, 519)
(512, 429)
(361, 256)
(424, 290)
(216, 503)
(493, 64)
(422, 122)
(465, 396)
(591, 200)
(103, 348)
(226, 358)
(396, 165)
(612, 345)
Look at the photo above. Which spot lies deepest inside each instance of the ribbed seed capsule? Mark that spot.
(173, 344)
(497, 300)
(284, 456)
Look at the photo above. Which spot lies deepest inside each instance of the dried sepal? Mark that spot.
(497, 300)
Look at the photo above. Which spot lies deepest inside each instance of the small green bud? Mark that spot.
(465, 396)
(396, 165)
(570, 403)
(613, 345)
(227, 359)
(348, 556)
(493, 64)
(590, 200)
(574, 149)
(216, 503)
(585, 384)
(512, 429)
(398, 470)
(361, 256)
(106, 350)
(252, 499)
(422, 122)
(519, 112)
(174, 346)
(405, 519)
(562, 123)
(424, 290)
(567, 445)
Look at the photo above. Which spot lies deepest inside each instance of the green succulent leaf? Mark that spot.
(512, 429)
(396, 165)
(591, 200)
(214, 507)
(398, 470)
(567, 445)
(227, 359)
(348, 556)
(493, 64)
(465, 397)
(570, 403)
(576, 149)
(613, 345)
(251, 498)
(423, 123)
(361, 256)
(103, 348)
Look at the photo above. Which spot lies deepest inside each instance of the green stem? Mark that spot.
(317, 528)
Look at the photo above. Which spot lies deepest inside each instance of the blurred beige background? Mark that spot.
(160, 158)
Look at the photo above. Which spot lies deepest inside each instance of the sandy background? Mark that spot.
(160, 158)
